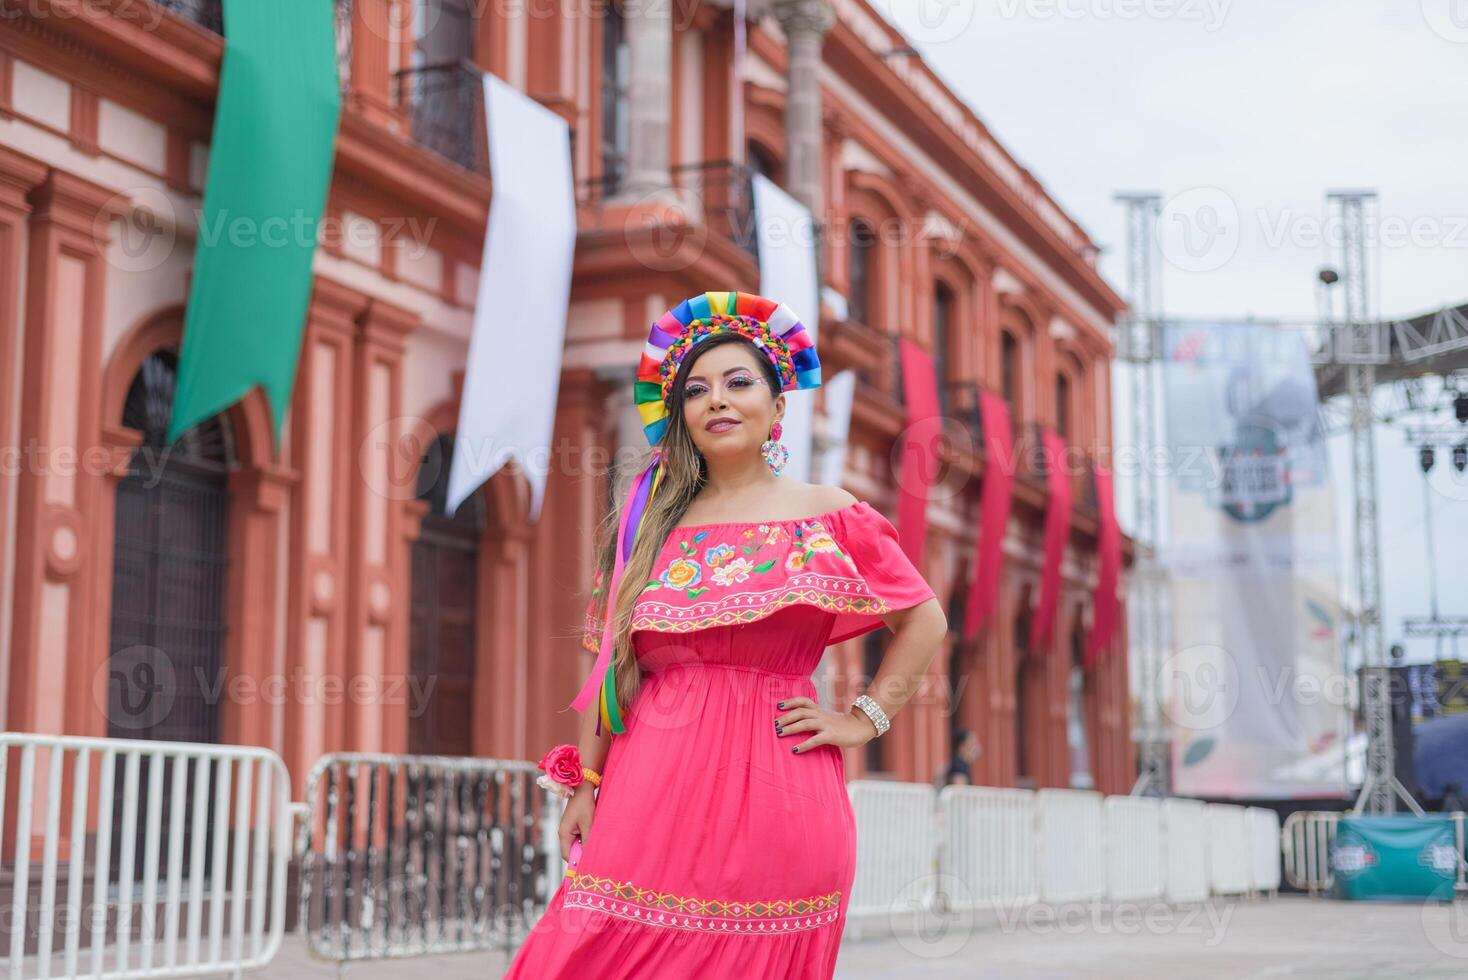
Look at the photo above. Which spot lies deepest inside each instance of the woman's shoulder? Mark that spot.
(832, 498)
(820, 498)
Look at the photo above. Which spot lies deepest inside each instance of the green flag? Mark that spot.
(269, 170)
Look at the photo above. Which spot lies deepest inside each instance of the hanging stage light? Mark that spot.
(1460, 406)
(1426, 456)
(1460, 457)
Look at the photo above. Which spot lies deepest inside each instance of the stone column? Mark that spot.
(57, 646)
(18, 174)
(321, 445)
(365, 62)
(805, 23)
(650, 47)
(383, 478)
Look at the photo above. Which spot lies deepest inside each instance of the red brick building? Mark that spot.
(311, 596)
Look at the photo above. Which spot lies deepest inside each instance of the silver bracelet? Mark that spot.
(874, 712)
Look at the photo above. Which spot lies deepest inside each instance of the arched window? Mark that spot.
(1023, 670)
(860, 269)
(1009, 368)
(1062, 405)
(441, 86)
(1075, 715)
(443, 631)
(443, 32)
(942, 332)
(762, 161)
(616, 74)
(170, 560)
(168, 567)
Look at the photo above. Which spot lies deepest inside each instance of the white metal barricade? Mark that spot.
(988, 846)
(1305, 840)
(411, 855)
(1134, 867)
(1229, 860)
(1264, 864)
(157, 859)
(896, 847)
(1185, 850)
(1071, 845)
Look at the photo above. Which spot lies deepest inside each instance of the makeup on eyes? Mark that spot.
(697, 386)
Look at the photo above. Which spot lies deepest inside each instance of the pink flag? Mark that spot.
(920, 441)
(1057, 529)
(1104, 618)
(994, 504)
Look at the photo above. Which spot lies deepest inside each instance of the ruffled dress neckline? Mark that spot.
(812, 519)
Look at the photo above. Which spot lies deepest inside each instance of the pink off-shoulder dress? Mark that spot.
(714, 851)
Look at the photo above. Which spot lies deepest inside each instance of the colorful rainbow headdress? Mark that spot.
(771, 327)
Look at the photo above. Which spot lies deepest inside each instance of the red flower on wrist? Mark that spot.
(563, 764)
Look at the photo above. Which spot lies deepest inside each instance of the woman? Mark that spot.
(721, 842)
(965, 752)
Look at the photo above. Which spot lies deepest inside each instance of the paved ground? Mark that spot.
(1288, 936)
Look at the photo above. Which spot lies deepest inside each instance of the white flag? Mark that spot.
(513, 375)
(840, 393)
(787, 274)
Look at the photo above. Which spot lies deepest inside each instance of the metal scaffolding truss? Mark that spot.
(1138, 344)
(1354, 354)
(1433, 343)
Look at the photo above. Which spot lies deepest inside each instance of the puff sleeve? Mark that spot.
(889, 579)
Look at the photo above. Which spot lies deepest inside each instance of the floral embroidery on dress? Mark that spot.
(747, 555)
(754, 570)
(718, 554)
(627, 900)
(736, 571)
(682, 573)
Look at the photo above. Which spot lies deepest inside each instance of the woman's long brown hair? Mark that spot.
(684, 475)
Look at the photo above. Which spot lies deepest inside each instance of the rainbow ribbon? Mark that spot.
(602, 678)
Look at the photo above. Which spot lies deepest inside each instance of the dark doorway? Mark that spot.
(169, 566)
(444, 618)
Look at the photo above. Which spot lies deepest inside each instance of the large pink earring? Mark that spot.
(776, 453)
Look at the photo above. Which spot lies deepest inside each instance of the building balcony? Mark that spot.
(445, 106)
(715, 195)
(961, 401)
(895, 389)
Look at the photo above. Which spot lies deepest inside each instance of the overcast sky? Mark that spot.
(1242, 115)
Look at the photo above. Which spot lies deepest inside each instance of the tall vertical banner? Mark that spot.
(995, 500)
(1057, 531)
(270, 163)
(919, 443)
(787, 274)
(1105, 604)
(513, 377)
(1254, 687)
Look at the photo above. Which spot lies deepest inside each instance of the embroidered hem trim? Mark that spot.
(727, 611)
(758, 607)
(625, 900)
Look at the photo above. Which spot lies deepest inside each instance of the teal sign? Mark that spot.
(1402, 858)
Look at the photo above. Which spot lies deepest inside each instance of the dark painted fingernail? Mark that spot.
(780, 705)
(796, 749)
